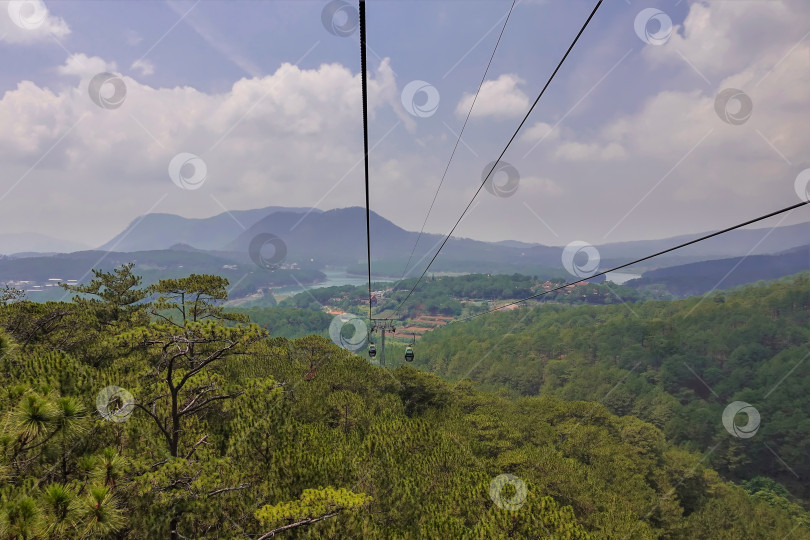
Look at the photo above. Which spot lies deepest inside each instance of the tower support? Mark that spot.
(383, 325)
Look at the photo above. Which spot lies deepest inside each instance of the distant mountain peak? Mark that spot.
(180, 246)
(157, 231)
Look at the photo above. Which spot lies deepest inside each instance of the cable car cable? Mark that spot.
(495, 163)
(458, 140)
(695, 241)
(365, 139)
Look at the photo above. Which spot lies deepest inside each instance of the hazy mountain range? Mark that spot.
(337, 237)
(340, 234)
(315, 240)
(701, 277)
(161, 231)
(23, 243)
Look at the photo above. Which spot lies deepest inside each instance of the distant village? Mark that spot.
(35, 286)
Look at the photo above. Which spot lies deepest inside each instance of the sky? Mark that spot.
(668, 117)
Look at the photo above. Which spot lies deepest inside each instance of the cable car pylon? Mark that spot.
(383, 325)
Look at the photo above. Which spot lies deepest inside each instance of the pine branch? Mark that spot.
(223, 490)
(198, 443)
(157, 421)
(206, 402)
(301, 523)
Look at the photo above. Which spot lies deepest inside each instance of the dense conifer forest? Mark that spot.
(136, 412)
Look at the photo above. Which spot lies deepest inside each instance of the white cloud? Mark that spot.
(31, 116)
(540, 131)
(85, 67)
(29, 21)
(671, 155)
(285, 138)
(290, 136)
(499, 99)
(680, 129)
(145, 67)
(718, 38)
(576, 151)
(540, 185)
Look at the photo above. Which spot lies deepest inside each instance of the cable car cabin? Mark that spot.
(372, 350)
(409, 354)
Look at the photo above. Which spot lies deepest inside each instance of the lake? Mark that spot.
(620, 277)
(334, 278)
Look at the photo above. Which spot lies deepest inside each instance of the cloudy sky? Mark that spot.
(648, 130)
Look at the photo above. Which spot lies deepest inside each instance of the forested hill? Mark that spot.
(701, 277)
(143, 414)
(677, 365)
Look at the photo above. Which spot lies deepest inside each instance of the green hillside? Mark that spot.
(117, 427)
(674, 364)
